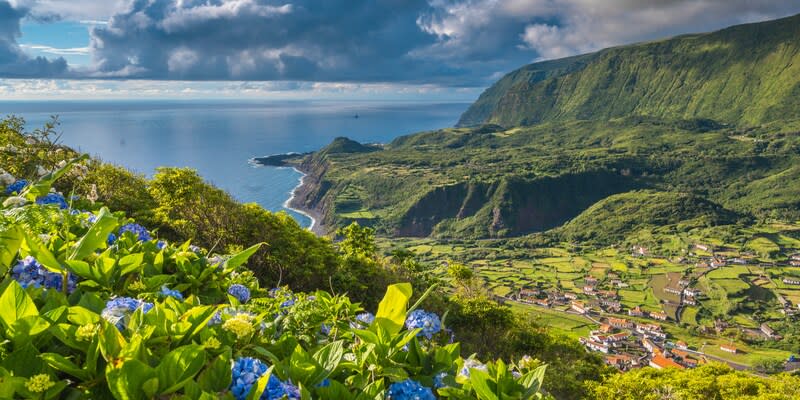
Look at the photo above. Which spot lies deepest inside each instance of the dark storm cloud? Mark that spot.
(442, 42)
(333, 40)
(13, 62)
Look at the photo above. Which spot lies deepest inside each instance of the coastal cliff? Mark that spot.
(709, 116)
(309, 197)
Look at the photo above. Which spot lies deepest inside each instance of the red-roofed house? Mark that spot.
(661, 362)
(728, 348)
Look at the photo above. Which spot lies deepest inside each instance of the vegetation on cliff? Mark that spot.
(468, 183)
(742, 75)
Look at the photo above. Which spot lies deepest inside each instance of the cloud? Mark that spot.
(580, 26)
(452, 43)
(31, 89)
(13, 61)
(74, 51)
(74, 10)
(332, 40)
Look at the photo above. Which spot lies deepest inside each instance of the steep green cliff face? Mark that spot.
(743, 75)
(508, 206)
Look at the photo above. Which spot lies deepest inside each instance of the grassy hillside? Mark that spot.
(612, 218)
(494, 182)
(743, 75)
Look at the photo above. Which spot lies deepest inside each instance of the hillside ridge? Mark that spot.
(743, 75)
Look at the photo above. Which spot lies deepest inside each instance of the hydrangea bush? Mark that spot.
(138, 318)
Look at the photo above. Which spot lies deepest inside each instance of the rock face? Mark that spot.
(508, 207)
(746, 74)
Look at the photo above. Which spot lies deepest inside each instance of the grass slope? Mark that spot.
(746, 75)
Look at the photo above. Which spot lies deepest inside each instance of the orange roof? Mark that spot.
(663, 362)
(681, 353)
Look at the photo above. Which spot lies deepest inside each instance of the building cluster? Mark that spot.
(628, 344)
(631, 343)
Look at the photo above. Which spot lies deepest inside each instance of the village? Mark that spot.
(632, 337)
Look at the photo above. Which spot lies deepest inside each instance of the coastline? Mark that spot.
(316, 225)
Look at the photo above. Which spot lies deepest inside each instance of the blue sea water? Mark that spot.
(218, 138)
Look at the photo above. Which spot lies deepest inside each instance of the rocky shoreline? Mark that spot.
(295, 204)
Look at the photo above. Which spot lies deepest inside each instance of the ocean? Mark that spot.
(218, 138)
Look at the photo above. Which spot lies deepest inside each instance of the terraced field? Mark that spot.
(733, 293)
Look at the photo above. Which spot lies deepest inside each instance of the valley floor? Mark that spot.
(713, 294)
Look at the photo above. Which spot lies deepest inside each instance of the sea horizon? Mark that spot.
(219, 137)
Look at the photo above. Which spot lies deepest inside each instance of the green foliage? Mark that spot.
(613, 218)
(459, 272)
(713, 381)
(687, 77)
(489, 329)
(71, 343)
(457, 183)
(768, 365)
(356, 241)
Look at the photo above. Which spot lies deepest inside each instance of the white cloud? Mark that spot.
(53, 89)
(74, 51)
(587, 25)
(77, 10)
(559, 28)
(92, 22)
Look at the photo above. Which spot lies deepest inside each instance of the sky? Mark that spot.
(365, 49)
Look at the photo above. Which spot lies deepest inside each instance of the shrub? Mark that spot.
(137, 317)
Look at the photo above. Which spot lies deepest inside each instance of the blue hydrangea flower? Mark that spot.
(452, 334)
(363, 320)
(428, 322)
(138, 231)
(16, 187)
(119, 310)
(438, 380)
(91, 218)
(165, 291)
(281, 390)
(325, 383)
(325, 329)
(112, 238)
(161, 244)
(52, 198)
(409, 390)
(273, 292)
(228, 312)
(288, 303)
(28, 272)
(240, 292)
(55, 281)
(216, 319)
(245, 374)
(246, 371)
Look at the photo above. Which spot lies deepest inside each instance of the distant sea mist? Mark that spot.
(217, 138)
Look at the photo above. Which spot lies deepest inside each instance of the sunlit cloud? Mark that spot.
(54, 89)
(75, 51)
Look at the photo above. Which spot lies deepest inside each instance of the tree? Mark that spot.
(357, 240)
